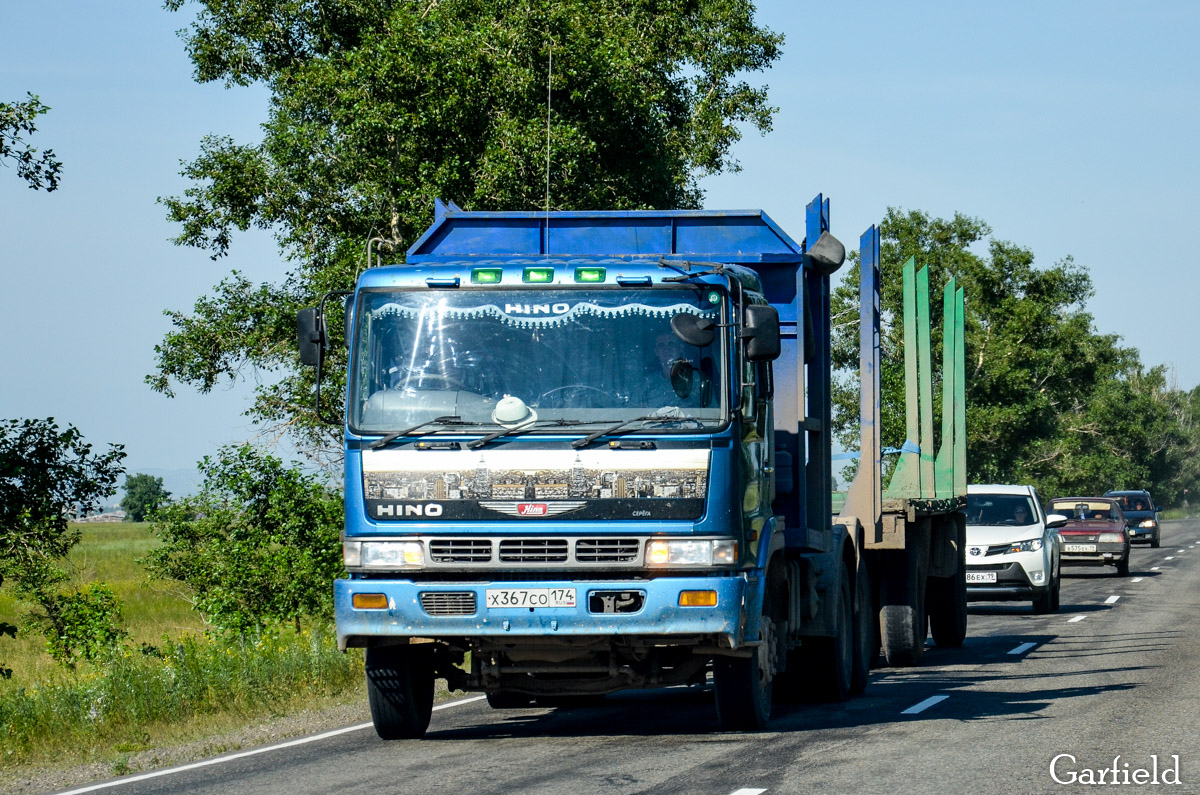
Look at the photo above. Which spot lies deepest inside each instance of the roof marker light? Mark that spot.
(590, 275)
(538, 275)
(486, 275)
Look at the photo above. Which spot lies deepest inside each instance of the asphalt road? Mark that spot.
(1115, 672)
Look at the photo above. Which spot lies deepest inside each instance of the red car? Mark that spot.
(1094, 534)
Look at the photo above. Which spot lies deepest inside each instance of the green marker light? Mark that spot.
(486, 275)
(538, 275)
(590, 275)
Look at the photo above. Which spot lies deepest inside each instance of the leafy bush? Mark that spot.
(258, 546)
(80, 625)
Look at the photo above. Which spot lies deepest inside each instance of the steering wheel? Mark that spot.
(448, 383)
(610, 400)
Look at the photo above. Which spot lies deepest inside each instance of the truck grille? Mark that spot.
(533, 550)
(461, 550)
(453, 603)
(606, 550)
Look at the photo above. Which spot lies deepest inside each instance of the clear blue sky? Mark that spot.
(1070, 127)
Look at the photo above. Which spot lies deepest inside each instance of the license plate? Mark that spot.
(530, 597)
(1079, 548)
(981, 576)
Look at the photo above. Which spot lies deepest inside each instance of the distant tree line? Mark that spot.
(1051, 401)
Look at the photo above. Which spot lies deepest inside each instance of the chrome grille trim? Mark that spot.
(448, 603)
(460, 550)
(533, 550)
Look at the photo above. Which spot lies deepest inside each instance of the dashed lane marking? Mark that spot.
(1155, 568)
(1024, 647)
(1137, 579)
(207, 762)
(1169, 557)
(747, 791)
(1076, 618)
(924, 705)
(1112, 600)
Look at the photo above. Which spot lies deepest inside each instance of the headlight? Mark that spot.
(707, 552)
(383, 554)
(1146, 523)
(1111, 538)
(1032, 545)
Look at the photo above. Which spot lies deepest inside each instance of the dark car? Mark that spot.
(1095, 532)
(1141, 513)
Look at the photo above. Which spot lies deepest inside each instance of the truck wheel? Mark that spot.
(866, 631)
(948, 608)
(903, 624)
(743, 685)
(829, 662)
(507, 699)
(400, 690)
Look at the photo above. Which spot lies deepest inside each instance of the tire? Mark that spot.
(828, 663)
(742, 686)
(1042, 603)
(1123, 565)
(400, 690)
(948, 606)
(507, 699)
(1057, 591)
(1155, 543)
(903, 624)
(866, 630)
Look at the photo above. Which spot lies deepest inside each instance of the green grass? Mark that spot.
(200, 685)
(106, 553)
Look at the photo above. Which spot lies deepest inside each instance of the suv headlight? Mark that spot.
(706, 552)
(1032, 545)
(383, 554)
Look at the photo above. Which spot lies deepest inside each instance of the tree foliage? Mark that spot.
(259, 545)
(144, 494)
(378, 107)
(40, 170)
(1050, 400)
(46, 474)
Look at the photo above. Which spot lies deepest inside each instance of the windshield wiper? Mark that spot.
(475, 444)
(662, 415)
(391, 437)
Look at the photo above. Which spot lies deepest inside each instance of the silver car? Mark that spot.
(1013, 549)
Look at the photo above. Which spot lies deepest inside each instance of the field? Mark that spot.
(190, 685)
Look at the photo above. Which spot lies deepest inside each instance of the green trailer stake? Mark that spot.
(914, 536)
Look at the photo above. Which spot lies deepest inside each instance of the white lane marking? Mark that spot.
(1024, 647)
(1137, 579)
(1183, 550)
(243, 754)
(1155, 568)
(1076, 618)
(1112, 600)
(924, 705)
(1169, 557)
(747, 791)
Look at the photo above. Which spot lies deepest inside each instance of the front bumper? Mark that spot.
(1143, 534)
(1013, 583)
(407, 613)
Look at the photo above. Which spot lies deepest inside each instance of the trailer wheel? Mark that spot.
(903, 623)
(948, 608)
(742, 685)
(829, 662)
(400, 690)
(507, 699)
(866, 630)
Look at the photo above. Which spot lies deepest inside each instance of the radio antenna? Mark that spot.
(549, 77)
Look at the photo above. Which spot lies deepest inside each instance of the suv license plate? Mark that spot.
(981, 576)
(530, 597)
(1079, 548)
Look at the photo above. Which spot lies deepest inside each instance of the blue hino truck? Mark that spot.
(591, 451)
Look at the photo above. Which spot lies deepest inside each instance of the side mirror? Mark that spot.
(826, 255)
(761, 333)
(310, 336)
(1054, 520)
(693, 329)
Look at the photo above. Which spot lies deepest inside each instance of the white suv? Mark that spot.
(1012, 547)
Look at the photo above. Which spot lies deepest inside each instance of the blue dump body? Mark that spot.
(546, 468)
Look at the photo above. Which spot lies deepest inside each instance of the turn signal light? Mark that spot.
(369, 601)
(697, 598)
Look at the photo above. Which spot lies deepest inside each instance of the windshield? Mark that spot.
(1014, 510)
(1086, 510)
(591, 355)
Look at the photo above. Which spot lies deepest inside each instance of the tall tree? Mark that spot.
(1050, 400)
(379, 106)
(40, 170)
(143, 496)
